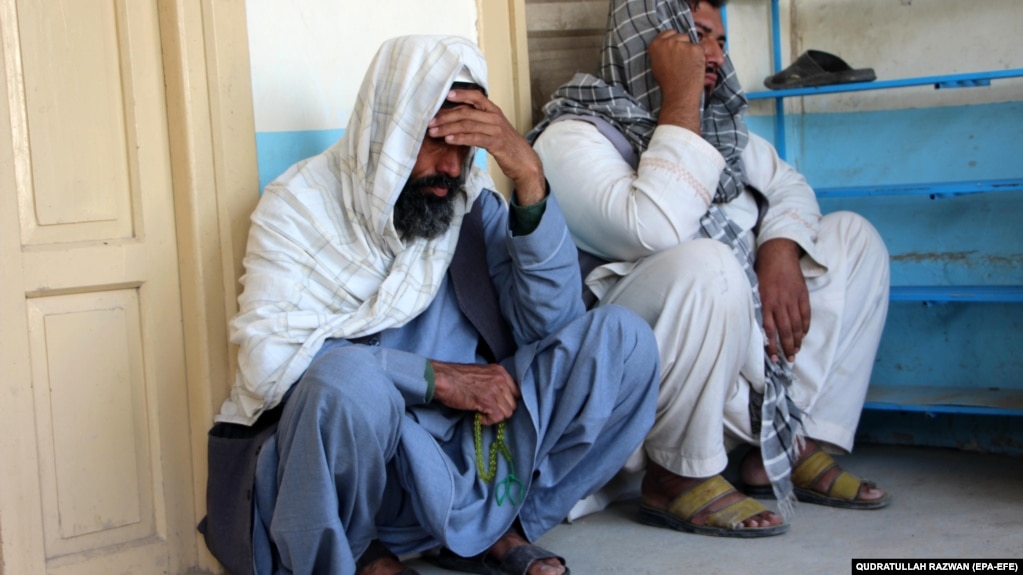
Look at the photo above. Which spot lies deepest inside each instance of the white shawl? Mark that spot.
(323, 258)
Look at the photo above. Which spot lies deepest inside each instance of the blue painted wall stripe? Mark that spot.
(277, 151)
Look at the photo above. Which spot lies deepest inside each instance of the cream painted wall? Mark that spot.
(898, 38)
(309, 56)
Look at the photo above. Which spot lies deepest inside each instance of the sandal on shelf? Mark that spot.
(725, 522)
(375, 552)
(817, 68)
(843, 492)
(516, 561)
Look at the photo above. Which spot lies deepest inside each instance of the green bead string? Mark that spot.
(510, 488)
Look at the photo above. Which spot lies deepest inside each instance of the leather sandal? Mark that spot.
(817, 68)
(516, 561)
(725, 522)
(843, 491)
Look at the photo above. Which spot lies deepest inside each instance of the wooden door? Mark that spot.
(97, 465)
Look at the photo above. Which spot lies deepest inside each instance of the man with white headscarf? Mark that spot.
(697, 225)
(417, 348)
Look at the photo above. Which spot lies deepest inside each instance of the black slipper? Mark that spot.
(816, 68)
(515, 562)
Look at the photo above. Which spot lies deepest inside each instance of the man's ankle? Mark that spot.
(377, 559)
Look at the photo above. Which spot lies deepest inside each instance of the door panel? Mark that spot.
(94, 353)
(77, 62)
(87, 350)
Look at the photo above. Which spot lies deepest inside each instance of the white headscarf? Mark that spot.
(324, 259)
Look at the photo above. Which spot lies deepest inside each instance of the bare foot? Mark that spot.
(512, 539)
(753, 473)
(661, 487)
(383, 566)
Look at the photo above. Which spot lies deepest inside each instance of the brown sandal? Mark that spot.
(843, 492)
(725, 522)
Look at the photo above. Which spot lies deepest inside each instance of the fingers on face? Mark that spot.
(665, 35)
(462, 119)
(469, 131)
(473, 98)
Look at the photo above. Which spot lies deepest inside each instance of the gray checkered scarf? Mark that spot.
(627, 96)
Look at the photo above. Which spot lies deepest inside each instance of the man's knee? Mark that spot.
(349, 379)
(855, 234)
(628, 330)
(626, 337)
(708, 270)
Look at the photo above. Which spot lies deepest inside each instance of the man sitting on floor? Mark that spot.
(720, 245)
(442, 384)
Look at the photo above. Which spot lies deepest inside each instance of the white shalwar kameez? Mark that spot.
(695, 295)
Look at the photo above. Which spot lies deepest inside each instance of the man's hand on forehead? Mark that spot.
(469, 118)
(461, 87)
(465, 95)
(476, 121)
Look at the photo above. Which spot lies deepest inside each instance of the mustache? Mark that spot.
(421, 214)
(445, 181)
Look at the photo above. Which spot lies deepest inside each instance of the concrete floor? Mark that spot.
(946, 504)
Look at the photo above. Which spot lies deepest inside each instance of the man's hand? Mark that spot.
(784, 297)
(488, 389)
(481, 123)
(678, 66)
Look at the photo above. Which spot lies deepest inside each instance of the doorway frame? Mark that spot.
(216, 187)
(502, 37)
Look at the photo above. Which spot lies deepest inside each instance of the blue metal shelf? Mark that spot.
(947, 81)
(926, 399)
(935, 399)
(943, 81)
(947, 294)
(968, 80)
(933, 190)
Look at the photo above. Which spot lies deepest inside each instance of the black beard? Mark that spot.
(421, 214)
(717, 74)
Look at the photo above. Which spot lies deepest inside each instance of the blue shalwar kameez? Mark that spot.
(340, 314)
(358, 456)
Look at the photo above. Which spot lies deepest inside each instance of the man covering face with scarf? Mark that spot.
(437, 380)
(688, 219)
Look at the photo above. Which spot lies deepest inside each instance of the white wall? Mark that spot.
(308, 57)
(897, 38)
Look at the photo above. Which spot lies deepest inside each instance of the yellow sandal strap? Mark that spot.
(811, 468)
(846, 486)
(733, 515)
(692, 500)
(814, 466)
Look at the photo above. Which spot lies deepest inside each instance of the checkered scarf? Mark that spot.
(627, 96)
(324, 259)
